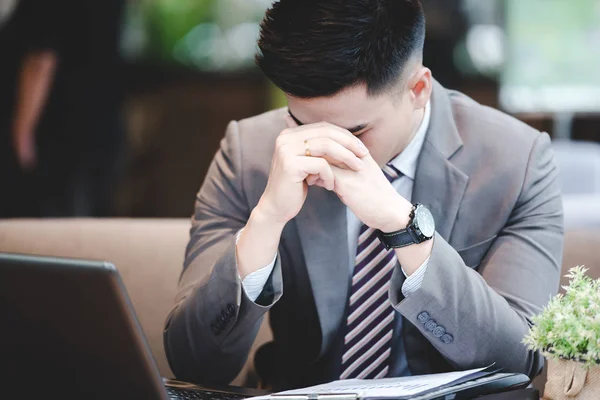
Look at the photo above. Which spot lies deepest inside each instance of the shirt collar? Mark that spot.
(406, 162)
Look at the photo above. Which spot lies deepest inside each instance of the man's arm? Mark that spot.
(213, 324)
(482, 317)
(35, 81)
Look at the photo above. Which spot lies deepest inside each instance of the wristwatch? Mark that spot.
(420, 228)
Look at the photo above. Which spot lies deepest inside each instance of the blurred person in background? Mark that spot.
(10, 179)
(65, 130)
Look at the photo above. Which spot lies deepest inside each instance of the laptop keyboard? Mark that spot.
(191, 394)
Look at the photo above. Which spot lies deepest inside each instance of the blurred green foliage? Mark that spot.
(167, 21)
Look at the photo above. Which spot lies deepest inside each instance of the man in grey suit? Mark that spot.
(389, 226)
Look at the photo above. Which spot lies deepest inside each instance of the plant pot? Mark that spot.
(569, 379)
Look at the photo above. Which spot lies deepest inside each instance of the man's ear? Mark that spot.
(420, 85)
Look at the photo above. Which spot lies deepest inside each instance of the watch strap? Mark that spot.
(397, 239)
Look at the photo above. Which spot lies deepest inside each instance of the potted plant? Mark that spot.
(567, 332)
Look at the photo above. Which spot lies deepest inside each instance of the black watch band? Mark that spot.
(396, 240)
(420, 228)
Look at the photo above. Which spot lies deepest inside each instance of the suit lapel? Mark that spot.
(440, 186)
(322, 227)
(438, 183)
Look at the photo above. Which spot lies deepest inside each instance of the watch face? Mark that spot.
(424, 221)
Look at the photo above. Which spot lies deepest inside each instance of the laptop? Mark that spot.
(68, 330)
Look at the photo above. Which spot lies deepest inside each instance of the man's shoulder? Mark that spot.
(491, 135)
(255, 138)
(479, 122)
(265, 126)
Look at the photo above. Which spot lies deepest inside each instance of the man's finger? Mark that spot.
(312, 179)
(343, 137)
(331, 150)
(317, 166)
(319, 182)
(327, 130)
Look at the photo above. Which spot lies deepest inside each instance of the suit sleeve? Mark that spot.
(477, 318)
(210, 330)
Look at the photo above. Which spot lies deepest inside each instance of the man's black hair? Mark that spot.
(315, 48)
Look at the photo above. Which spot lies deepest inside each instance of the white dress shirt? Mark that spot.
(406, 163)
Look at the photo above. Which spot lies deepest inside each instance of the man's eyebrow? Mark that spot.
(355, 129)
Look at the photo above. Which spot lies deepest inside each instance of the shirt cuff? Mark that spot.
(255, 282)
(413, 282)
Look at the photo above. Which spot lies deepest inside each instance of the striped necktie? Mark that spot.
(369, 325)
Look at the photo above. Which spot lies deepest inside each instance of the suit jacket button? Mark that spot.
(430, 325)
(447, 338)
(230, 308)
(423, 317)
(439, 331)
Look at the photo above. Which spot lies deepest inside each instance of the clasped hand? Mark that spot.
(326, 155)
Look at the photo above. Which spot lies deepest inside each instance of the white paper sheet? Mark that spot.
(386, 387)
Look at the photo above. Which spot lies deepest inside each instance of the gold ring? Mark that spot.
(307, 152)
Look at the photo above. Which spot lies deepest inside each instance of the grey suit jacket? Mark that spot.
(491, 184)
